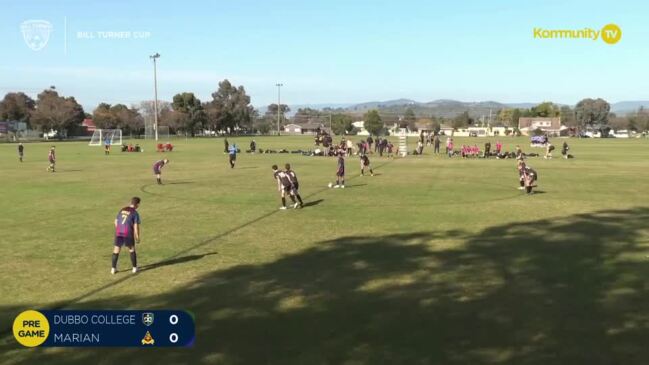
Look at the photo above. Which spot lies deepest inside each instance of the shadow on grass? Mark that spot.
(181, 183)
(349, 186)
(175, 261)
(566, 290)
(313, 203)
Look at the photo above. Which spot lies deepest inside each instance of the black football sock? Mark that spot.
(362, 172)
(528, 189)
(299, 198)
(522, 183)
(159, 180)
(292, 198)
(283, 201)
(133, 259)
(371, 172)
(114, 260)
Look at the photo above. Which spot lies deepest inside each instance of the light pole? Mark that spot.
(155, 90)
(279, 85)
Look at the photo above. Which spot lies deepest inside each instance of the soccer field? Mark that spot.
(433, 260)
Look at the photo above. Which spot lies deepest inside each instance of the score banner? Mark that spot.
(105, 328)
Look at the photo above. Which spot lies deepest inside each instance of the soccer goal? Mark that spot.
(106, 136)
(403, 143)
(163, 132)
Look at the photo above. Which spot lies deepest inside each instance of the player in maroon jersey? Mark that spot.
(157, 169)
(365, 163)
(51, 157)
(284, 186)
(296, 185)
(127, 233)
(340, 173)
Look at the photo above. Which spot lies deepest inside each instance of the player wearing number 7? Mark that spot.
(127, 233)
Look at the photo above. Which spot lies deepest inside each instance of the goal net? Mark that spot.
(106, 136)
(403, 143)
(163, 132)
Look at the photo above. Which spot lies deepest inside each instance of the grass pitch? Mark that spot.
(433, 260)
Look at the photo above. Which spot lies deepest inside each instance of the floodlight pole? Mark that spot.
(155, 90)
(279, 85)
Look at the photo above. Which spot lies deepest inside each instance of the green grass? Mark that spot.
(434, 260)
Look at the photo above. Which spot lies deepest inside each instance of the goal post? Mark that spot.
(101, 137)
(403, 143)
(163, 132)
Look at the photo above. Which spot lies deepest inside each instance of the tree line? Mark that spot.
(230, 110)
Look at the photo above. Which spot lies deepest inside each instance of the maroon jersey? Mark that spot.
(126, 218)
(283, 178)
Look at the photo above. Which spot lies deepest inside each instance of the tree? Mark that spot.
(593, 113)
(506, 117)
(54, 112)
(306, 115)
(409, 120)
(341, 123)
(546, 109)
(271, 111)
(622, 122)
(373, 122)
(103, 118)
(263, 125)
(641, 119)
(568, 117)
(638, 121)
(462, 121)
(128, 119)
(229, 109)
(16, 106)
(516, 116)
(117, 116)
(190, 115)
(436, 125)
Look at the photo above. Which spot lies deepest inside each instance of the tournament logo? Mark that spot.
(36, 33)
(148, 339)
(147, 318)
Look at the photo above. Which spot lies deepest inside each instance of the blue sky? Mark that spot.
(331, 51)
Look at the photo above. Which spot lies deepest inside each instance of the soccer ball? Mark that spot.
(330, 185)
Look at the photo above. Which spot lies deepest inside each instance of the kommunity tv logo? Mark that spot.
(610, 33)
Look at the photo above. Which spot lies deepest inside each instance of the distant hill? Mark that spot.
(295, 107)
(445, 107)
(442, 107)
(382, 104)
(625, 107)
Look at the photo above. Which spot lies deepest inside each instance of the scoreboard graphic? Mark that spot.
(106, 328)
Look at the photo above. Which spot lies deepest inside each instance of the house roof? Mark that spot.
(539, 122)
(311, 125)
(88, 123)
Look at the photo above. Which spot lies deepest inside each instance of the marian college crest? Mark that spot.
(36, 33)
(147, 318)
